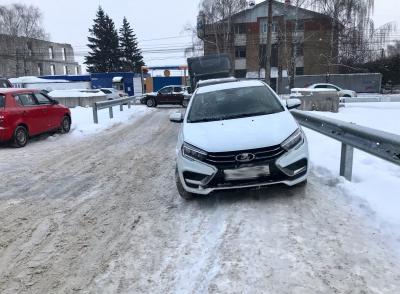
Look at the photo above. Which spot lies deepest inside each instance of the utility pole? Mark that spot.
(269, 45)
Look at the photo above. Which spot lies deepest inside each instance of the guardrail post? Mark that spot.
(121, 107)
(346, 162)
(129, 104)
(110, 110)
(95, 117)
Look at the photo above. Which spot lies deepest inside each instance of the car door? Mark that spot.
(31, 113)
(165, 95)
(50, 111)
(178, 95)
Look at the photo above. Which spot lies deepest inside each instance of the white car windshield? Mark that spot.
(233, 103)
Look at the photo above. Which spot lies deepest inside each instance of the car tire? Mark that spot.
(185, 103)
(21, 137)
(347, 96)
(181, 190)
(151, 102)
(65, 125)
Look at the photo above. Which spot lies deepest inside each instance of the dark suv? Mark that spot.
(166, 95)
(4, 83)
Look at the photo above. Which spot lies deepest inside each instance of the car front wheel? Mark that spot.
(181, 190)
(65, 125)
(21, 137)
(151, 102)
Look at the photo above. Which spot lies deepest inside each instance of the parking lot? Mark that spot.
(102, 215)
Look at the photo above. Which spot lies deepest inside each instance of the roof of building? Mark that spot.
(305, 13)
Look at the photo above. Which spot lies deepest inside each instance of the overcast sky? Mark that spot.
(69, 20)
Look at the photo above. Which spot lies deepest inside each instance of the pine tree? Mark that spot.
(131, 55)
(104, 45)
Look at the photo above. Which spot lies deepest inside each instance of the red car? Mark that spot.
(25, 113)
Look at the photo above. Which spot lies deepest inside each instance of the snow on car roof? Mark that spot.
(230, 85)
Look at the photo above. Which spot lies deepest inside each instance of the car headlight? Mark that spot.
(295, 139)
(192, 152)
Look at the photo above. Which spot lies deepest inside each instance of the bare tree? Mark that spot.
(394, 50)
(19, 20)
(354, 38)
(217, 20)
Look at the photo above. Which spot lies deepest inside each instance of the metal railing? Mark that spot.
(378, 143)
(110, 104)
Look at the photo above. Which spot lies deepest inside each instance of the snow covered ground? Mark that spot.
(82, 118)
(375, 180)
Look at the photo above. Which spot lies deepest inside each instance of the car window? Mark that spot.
(106, 91)
(2, 101)
(4, 84)
(43, 100)
(26, 99)
(233, 103)
(320, 87)
(178, 89)
(166, 90)
(333, 87)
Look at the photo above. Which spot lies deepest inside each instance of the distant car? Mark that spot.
(25, 113)
(4, 83)
(167, 95)
(112, 93)
(342, 92)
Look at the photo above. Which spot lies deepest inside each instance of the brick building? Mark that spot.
(307, 36)
(20, 56)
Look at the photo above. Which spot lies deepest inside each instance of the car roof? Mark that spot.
(16, 90)
(230, 85)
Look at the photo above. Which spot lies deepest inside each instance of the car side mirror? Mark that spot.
(176, 117)
(293, 103)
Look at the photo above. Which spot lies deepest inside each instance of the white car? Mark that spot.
(112, 93)
(342, 92)
(238, 135)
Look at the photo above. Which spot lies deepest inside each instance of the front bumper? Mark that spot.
(201, 178)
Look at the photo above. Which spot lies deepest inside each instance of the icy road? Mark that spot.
(101, 214)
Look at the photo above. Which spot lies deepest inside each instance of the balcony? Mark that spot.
(240, 40)
(240, 63)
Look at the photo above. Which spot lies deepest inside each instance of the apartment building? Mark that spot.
(301, 39)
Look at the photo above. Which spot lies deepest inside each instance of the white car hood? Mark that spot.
(240, 134)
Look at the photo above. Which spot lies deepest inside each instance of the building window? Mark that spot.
(240, 52)
(299, 71)
(51, 53)
(299, 50)
(300, 25)
(264, 28)
(65, 70)
(52, 69)
(40, 69)
(240, 29)
(64, 54)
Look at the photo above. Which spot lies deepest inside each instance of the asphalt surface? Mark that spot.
(102, 215)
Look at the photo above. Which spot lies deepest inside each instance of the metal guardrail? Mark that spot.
(378, 143)
(110, 104)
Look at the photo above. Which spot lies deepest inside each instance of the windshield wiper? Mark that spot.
(242, 115)
(205, 119)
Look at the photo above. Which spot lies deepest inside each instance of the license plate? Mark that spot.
(247, 173)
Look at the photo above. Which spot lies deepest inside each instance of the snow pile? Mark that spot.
(82, 118)
(75, 93)
(34, 80)
(374, 179)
